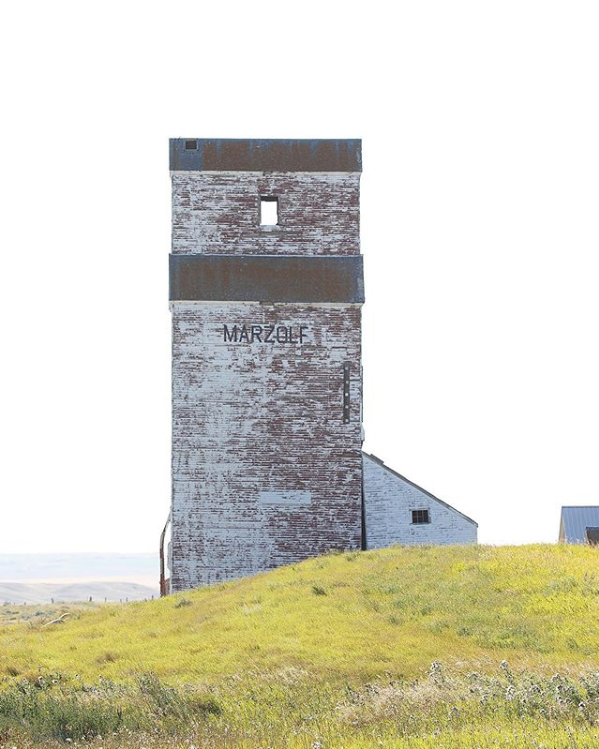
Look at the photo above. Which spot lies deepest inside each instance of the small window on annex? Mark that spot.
(420, 516)
(269, 210)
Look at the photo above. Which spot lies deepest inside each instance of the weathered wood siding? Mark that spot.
(265, 471)
(218, 213)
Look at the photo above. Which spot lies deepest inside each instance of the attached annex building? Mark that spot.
(266, 292)
(397, 511)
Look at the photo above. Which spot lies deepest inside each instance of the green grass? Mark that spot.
(333, 652)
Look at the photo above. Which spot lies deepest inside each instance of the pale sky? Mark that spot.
(480, 235)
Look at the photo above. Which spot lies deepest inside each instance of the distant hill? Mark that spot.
(140, 568)
(99, 591)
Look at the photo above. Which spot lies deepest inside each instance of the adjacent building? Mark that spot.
(579, 524)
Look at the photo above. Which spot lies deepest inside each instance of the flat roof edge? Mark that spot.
(265, 155)
(580, 507)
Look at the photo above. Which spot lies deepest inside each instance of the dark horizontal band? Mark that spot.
(267, 278)
(217, 155)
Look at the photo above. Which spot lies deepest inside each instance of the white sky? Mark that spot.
(480, 194)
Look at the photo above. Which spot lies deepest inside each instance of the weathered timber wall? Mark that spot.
(218, 213)
(389, 500)
(265, 471)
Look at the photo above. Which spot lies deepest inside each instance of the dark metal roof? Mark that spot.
(576, 519)
(420, 489)
(267, 278)
(243, 155)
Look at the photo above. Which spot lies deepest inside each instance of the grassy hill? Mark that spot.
(402, 646)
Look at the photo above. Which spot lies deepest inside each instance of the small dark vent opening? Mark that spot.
(191, 145)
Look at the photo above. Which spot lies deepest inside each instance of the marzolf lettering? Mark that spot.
(265, 333)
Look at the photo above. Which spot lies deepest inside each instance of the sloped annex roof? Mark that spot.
(419, 488)
(576, 519)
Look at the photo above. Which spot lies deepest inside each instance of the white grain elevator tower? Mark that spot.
(266, 290)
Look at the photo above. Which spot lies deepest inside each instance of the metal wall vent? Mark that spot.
(346, 367)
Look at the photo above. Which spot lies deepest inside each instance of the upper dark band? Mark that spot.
(218, 155)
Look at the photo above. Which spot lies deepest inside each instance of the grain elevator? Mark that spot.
(266, 291)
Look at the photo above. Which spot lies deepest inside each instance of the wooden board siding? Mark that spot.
(265, 471)
(218, 213)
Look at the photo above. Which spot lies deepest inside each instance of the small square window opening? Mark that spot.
(420, 516)
(269, 210)
(191, 145)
